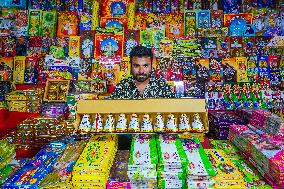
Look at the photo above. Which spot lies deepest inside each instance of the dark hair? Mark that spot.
(141, 51)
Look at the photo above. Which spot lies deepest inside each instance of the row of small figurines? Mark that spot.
(146, 125)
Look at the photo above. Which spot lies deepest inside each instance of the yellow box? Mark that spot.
(56, 90)
(19, 69)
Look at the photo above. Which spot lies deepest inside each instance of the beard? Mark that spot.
(141, 77)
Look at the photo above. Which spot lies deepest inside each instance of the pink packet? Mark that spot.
(272, 183)
(277, 162)
(258, 117)
(118, 185)
(236, 130)
(239, 128)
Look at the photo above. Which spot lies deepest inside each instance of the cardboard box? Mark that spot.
(56, 90)
(141, 107)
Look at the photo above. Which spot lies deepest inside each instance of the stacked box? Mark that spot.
(230, 149)
(172, 162)
(35, 170)
(237, 130)
(10, 169)
(61, 172)
(219, 123)
(71, 103)
(244, 113)
(24, 101)
(39, 131)
(119, 168)
(263, 121)
(274, 125)
(5, 87)
(252, 178)
(93, 166)
(228, 175)
(118, 177)
(70, 126)
(244, 138)
(258, 117)
(199, 170)
(257, 130)
(7, 152)
(264, 154)
(143, 162)
(277, 140)
(276, 165)
(25, 135)
(53, 110)
(278, 110)
(48, 127)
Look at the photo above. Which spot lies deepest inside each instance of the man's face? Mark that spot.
(141, 68)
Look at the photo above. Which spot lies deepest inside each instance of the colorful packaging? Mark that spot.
(67, 24)
(35, 17)
(74, 46)
(190, 23)
(108, 45)
(48, 25)
(143, 160)
(21, 23)
(61, 172)
(174, 26)
(87, 44)
(7, 73)
(172, 162)
(241, 62)
(19, 69)
(9, 46)
(199, 165)
(228, 175)
(85, 21)
(93, 166)
(230, 149)
(35, 170)
(11, 168)
(31, 65)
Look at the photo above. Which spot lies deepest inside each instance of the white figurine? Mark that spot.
(159, 124)
(146, 125)
(98, 123)
(109, 125)
(171, 125)
(197, 123)
(85, 125)
(184, 123)
(134, 124)
(121, 123)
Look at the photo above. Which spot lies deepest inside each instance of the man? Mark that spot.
(142, 83)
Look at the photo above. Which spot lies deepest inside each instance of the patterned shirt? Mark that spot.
(156, 88)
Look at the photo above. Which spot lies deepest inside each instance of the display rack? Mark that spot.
(188, 106)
